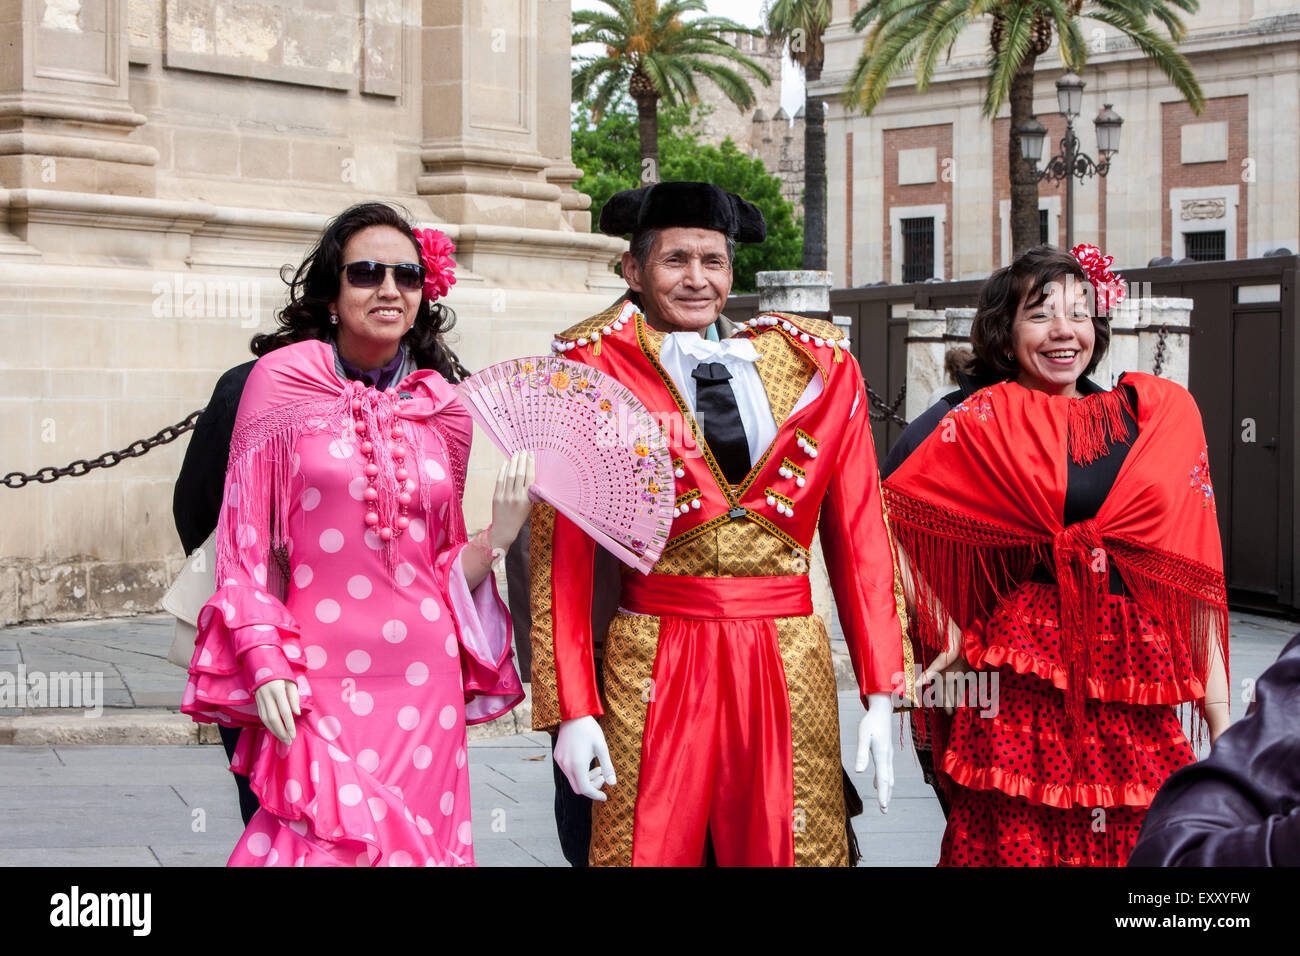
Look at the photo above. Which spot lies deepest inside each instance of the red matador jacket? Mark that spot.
(980, 504)
(820, 468)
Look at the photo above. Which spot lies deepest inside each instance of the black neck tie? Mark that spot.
(719, 420)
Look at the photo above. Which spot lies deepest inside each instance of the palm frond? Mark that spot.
(1163, 54)
(889, 49)
(1073, 49)
(885, 11)
(940, 34)
(590, 72)
(1017, 36)
(1172, 21)
(731, 83)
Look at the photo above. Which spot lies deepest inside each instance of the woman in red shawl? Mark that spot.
(1061, 553)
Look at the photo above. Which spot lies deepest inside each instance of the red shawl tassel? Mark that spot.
(1095, 423)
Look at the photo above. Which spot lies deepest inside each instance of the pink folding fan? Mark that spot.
(602, 460)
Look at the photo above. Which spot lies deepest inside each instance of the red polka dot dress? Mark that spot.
(1018, 796)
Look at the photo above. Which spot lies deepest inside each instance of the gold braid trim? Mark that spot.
(645, 336)
(816, 328)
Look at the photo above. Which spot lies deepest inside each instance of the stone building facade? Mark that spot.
(926, 175)
(160, 160)
(765, 131)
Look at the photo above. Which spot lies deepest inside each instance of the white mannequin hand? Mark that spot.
(510, 502)
(580, 741)
(277, 703)
(874, 740)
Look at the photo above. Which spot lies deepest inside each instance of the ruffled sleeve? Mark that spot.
(246, 635)
(246, 638)
(487, 665)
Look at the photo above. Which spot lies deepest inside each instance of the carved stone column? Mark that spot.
(554, 83)
(483, 107)
(65, 119)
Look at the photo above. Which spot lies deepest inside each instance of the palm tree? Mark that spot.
(652, 54)
(801, 24)
(914, 33)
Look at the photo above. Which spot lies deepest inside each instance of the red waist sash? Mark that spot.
(717, 599)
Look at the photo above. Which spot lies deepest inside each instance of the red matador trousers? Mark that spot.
(716, 749)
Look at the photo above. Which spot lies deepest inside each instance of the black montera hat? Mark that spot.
(685, 204)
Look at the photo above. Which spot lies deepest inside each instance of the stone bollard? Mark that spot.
(1122, 354)
(956, 336)
(1171, 319)
(802, 291)
(925, 349)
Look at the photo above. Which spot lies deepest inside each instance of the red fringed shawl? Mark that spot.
(981, 502)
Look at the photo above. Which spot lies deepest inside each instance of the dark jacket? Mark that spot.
(196, 502)
(1241, 805)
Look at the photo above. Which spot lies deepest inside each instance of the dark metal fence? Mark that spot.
(1243, 373)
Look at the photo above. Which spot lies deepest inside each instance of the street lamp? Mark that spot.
(1071, 163)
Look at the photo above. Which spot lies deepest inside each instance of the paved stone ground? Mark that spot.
(175, 805)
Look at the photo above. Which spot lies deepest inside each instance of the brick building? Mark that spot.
(919, 189)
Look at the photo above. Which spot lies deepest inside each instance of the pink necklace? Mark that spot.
(398, 452)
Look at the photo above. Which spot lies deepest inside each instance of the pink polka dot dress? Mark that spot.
(338, 565)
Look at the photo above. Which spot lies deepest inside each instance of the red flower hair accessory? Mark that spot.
(435, 251)
(1108, 288)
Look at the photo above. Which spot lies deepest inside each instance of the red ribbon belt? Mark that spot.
(717, 599)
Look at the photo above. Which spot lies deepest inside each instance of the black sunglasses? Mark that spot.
(368, 274)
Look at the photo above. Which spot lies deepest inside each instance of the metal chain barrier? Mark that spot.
(16, 479)
(1160, 350)
(886, 411)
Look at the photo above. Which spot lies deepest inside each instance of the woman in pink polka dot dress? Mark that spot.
(355, 631)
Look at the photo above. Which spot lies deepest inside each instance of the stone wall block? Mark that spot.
(126, 587)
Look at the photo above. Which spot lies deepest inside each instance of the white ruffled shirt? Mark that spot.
(682, 352)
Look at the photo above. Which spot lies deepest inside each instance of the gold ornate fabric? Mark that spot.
(733, 549)
(817, 328)
(785, 371)
(546, 700)
(595, 323)
(819, 834)
(630, 647)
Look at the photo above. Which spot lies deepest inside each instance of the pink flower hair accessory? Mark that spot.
(435, 251)
(1108, 288)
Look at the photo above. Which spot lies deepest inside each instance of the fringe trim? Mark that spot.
(1097, 422)
(962, 568)
(261, 468)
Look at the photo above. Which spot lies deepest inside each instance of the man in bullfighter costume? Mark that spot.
(717, 723)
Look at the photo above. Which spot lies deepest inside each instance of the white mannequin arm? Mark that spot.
(874, 741)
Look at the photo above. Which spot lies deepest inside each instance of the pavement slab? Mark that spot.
(139, 804)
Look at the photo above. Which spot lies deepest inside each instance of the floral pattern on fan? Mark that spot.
(602, 459)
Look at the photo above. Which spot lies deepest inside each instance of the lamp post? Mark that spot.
(1071, 163)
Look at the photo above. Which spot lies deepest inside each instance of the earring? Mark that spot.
(334, 319)
(1009, 356)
